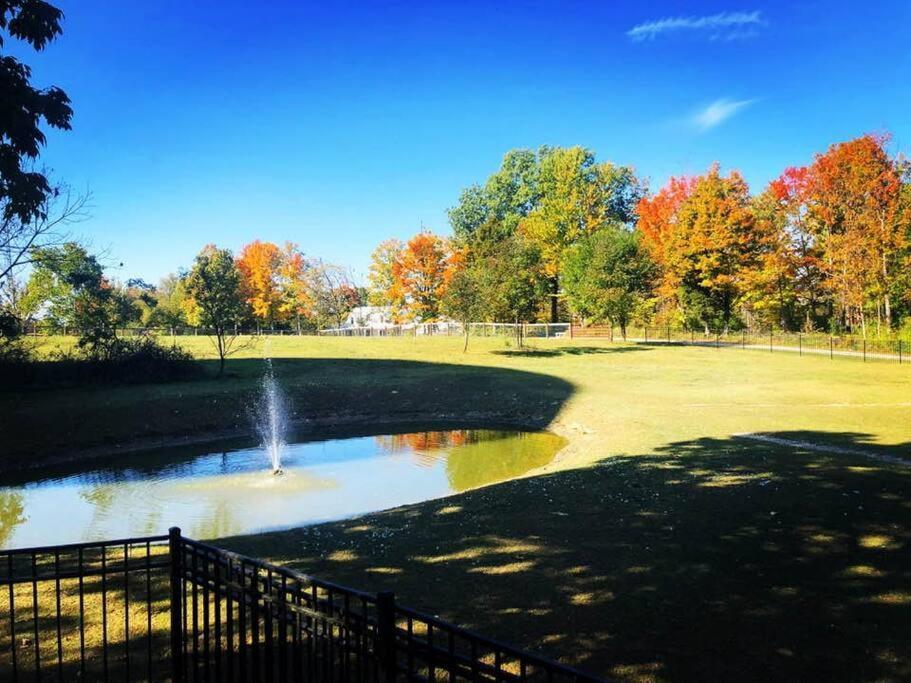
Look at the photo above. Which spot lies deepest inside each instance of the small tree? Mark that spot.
(332, 293)
(464, 300)
(607, 275)
(214, 286)
(510, 279)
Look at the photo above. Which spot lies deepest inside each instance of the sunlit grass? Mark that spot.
(658, 546)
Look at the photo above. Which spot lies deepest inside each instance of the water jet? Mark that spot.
(272, 419)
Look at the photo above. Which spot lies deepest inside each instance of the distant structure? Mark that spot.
(376, 317)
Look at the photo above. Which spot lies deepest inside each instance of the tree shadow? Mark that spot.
(710, 559)
(568, 351)
(325, 394)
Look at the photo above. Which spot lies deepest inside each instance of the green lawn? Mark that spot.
(659, 545)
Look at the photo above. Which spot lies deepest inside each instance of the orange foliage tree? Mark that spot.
(657, 220)
(259, 263)
(296, 296)
(420, 275)
(700, 231)
(854, 207)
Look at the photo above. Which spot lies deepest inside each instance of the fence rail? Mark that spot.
(171, 608)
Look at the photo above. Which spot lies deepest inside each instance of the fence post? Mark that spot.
(799, 344)
(175, 553)
(865, 350)
(743, 339)
(385, 626)
(771, 333)
(831, 349)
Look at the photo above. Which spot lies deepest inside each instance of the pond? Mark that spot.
(213, 492)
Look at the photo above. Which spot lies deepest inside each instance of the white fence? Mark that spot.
(444, 329)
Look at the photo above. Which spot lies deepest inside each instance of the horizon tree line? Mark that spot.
(557, 235)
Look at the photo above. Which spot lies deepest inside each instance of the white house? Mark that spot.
(376, 317)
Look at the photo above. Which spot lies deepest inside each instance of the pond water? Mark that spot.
(212, 492)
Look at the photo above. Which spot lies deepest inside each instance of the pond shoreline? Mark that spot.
(321, 427)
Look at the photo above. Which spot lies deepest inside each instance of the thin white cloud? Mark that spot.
(717, 113)
(723, 26)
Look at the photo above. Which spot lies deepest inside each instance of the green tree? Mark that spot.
(168, 309)
(22, 108)
(68, 284)
(578, 196)
(33, 212)
(493, 211)
(509, 278)
(608, 275)
(463, 299)
(554, 196)
(214, 285)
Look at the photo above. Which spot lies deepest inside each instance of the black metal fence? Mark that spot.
(170, 608)
(834, 347)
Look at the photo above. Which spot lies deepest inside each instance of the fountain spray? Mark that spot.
(272, 418)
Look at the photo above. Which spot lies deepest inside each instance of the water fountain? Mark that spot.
(272, 418)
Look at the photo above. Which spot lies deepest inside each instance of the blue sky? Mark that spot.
(336, 125)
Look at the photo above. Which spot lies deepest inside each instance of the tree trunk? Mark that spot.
(465, 348)
(554, 289)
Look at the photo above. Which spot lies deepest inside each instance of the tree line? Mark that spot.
(556, 235)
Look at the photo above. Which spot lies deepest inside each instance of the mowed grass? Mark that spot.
(660, 545)
(612, 398)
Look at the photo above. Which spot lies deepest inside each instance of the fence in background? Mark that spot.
(45, 331)
(835, 347)
(170, 608)
(528, 330)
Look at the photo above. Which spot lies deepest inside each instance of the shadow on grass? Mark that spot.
(323, 391)
(568, 351)
(710, 559)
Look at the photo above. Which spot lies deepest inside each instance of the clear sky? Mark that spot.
(337, 125)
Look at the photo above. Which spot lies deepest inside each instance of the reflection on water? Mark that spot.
(211, 494)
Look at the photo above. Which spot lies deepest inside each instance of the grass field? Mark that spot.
(659, 545)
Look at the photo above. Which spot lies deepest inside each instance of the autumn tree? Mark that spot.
(709, 247)
(854, 213)
(214, 288)
(293, 278)
(786, 286)
(420, 275)
(380, 278)
(259, 263)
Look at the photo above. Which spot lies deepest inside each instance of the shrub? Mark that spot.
(121, 361)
